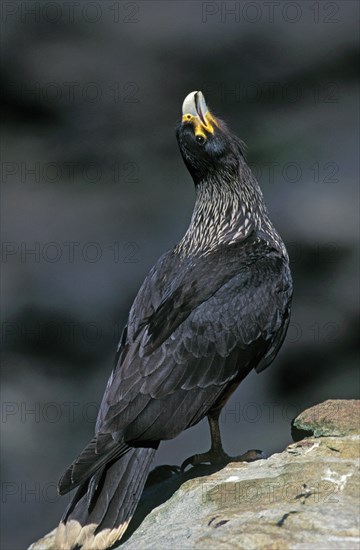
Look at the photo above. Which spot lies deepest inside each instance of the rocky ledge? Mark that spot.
(306, 497)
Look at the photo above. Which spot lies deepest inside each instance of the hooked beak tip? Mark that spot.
(194, 104)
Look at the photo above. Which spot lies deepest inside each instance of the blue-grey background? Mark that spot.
(94, 190)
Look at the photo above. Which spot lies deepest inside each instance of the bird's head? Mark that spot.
(206, 144)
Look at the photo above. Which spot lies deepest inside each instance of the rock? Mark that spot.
(306, 497)
(333, 417)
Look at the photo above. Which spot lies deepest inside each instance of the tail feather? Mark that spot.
(102, 509)
(101, 450)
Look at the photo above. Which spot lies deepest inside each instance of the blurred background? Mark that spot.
(94, 191)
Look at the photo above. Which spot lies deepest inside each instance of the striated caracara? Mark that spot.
(213, 308)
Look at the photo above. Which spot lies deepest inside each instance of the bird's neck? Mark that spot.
(228, 208)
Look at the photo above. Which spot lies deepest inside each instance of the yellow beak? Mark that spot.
(195, 112)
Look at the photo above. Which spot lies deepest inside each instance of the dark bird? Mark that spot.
(213, 308)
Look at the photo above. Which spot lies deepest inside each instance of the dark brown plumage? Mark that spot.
(212, 309)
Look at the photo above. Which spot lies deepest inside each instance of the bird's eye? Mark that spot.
(200, 140)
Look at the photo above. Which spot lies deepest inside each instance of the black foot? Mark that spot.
(220, 457)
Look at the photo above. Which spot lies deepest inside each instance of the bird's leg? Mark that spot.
(216, 454)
